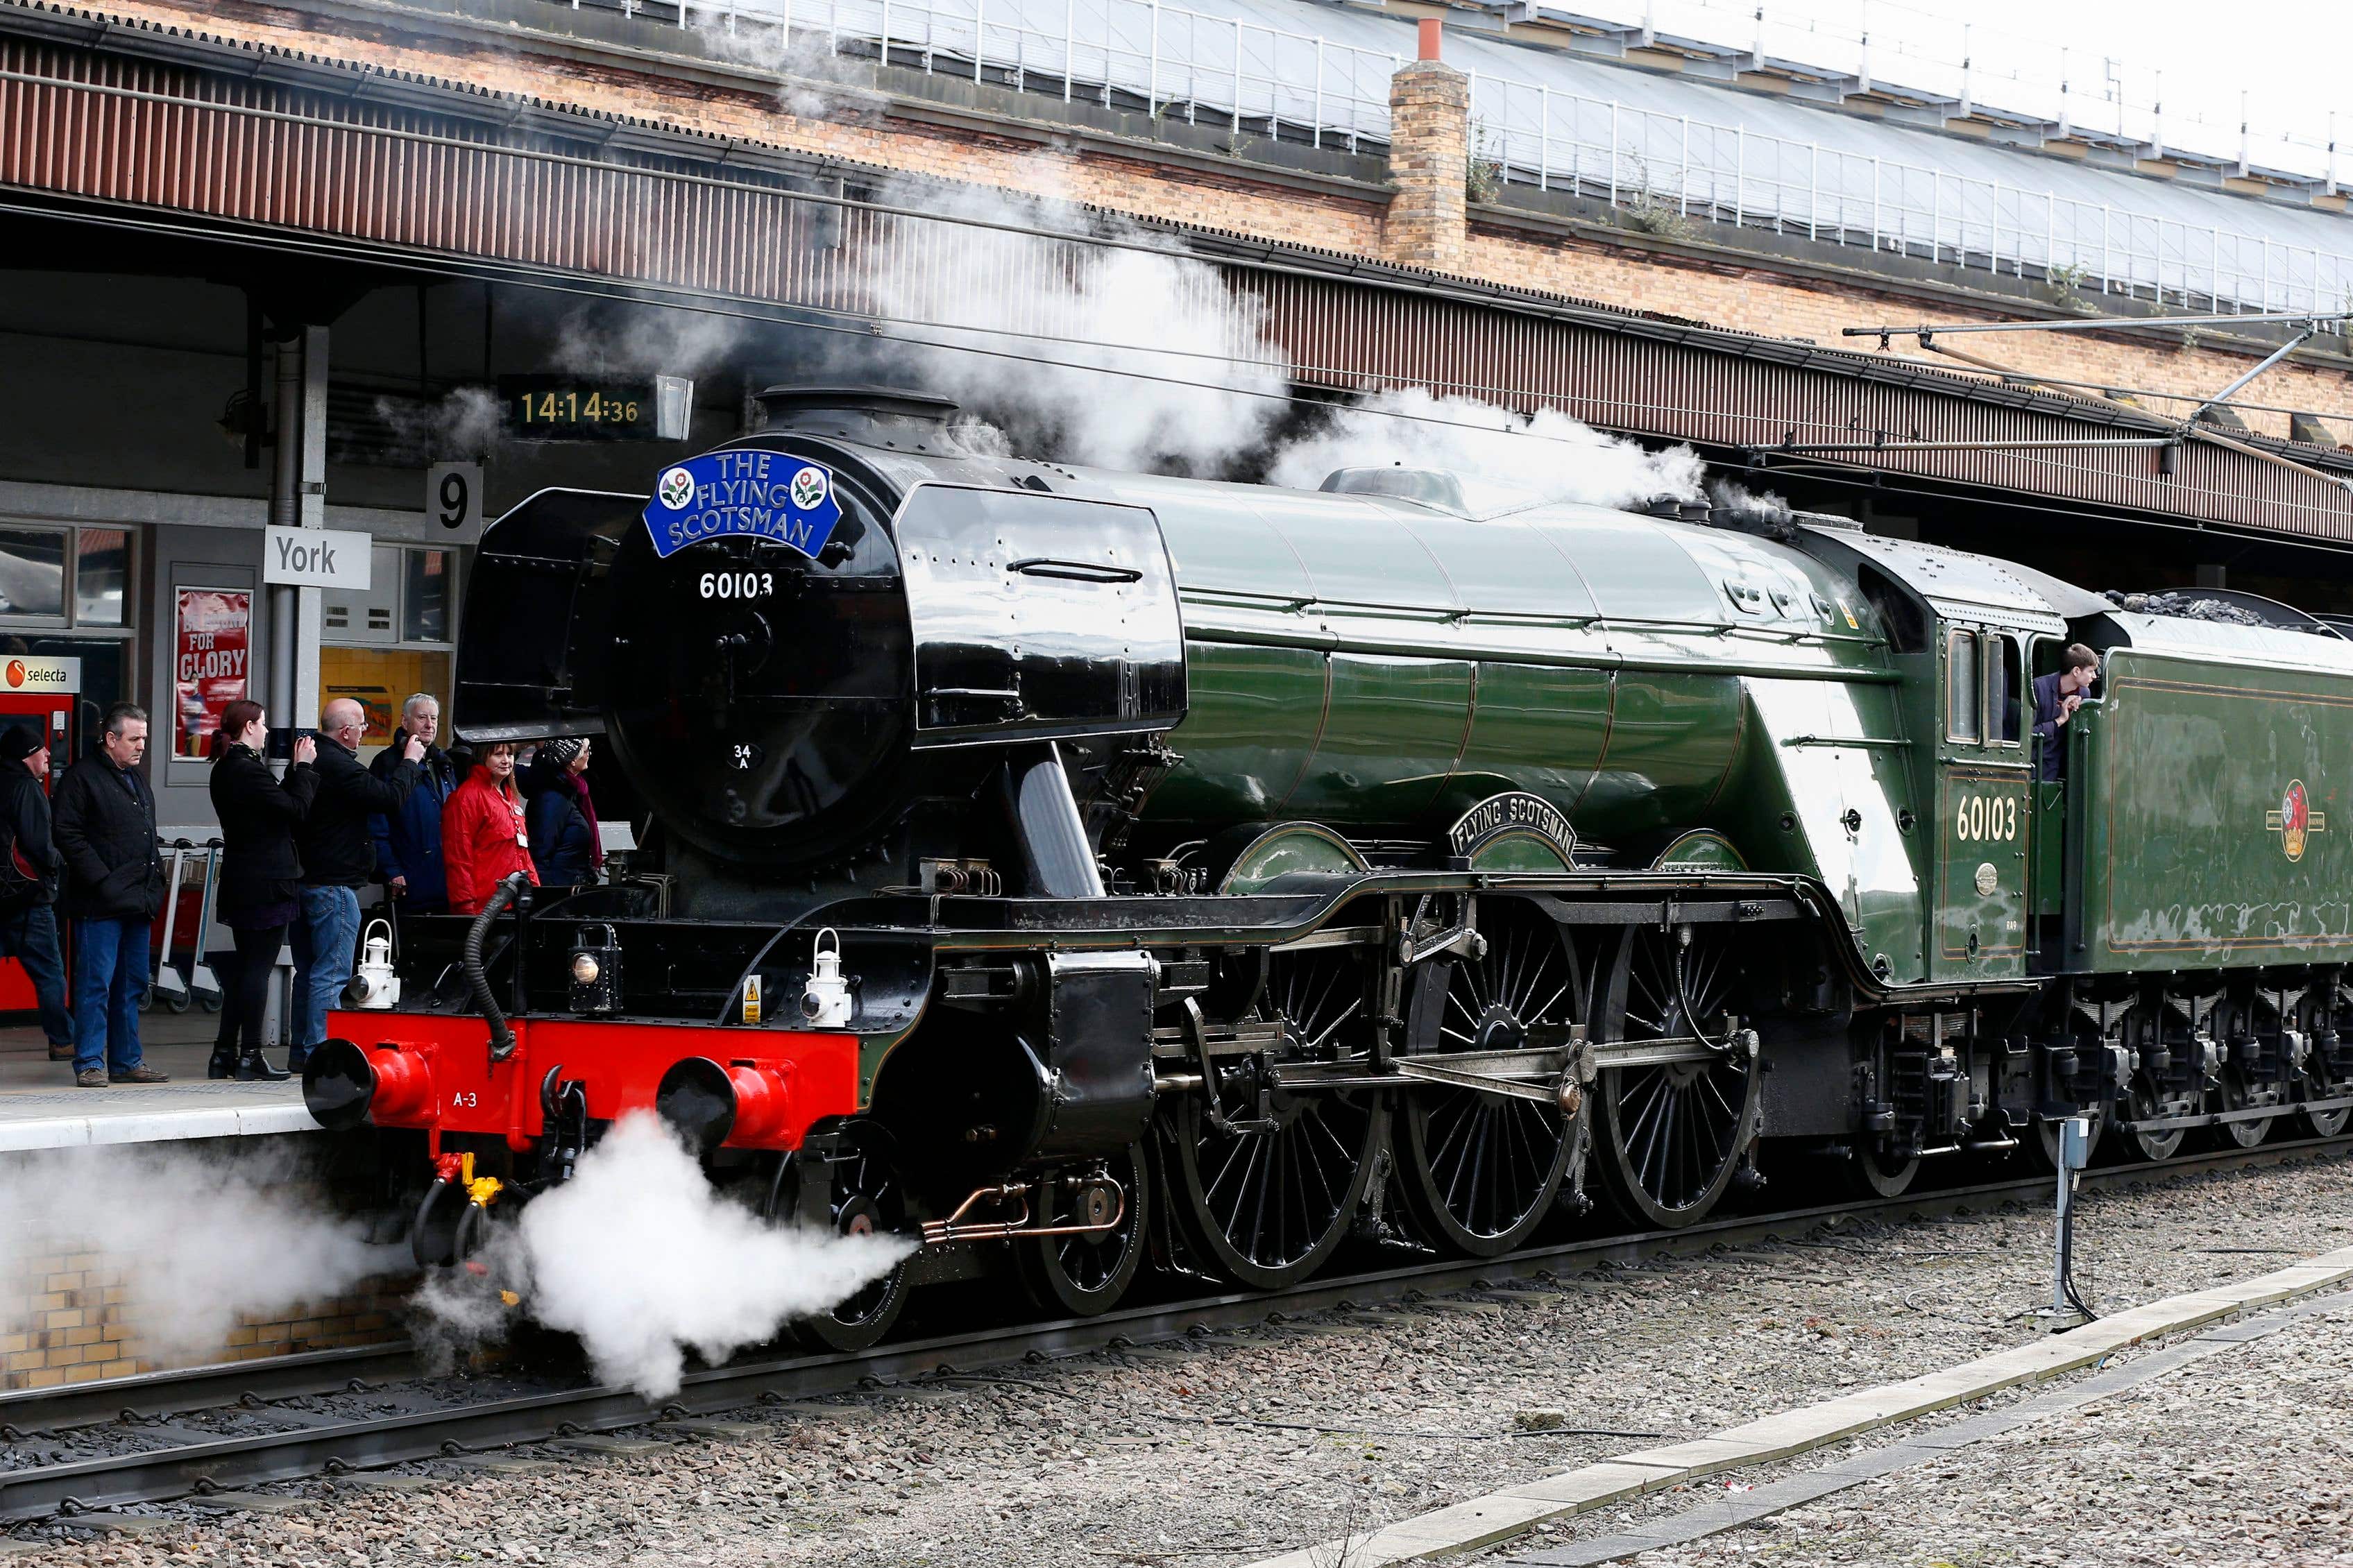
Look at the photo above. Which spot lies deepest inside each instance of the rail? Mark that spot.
(1669, 171)
(310, 1445)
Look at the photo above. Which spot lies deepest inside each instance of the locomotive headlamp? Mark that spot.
(595, 969)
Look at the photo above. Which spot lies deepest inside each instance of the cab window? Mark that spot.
(1964, 693)
(2003, 690)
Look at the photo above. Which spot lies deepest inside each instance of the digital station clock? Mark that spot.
(556, 408)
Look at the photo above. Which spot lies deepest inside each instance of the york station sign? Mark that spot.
(316, 558)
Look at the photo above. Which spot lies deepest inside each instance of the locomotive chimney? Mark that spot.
(873, 416)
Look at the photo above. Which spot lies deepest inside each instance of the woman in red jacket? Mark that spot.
(483, 838)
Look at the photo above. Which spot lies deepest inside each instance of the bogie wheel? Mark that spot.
(1669, 1136)
(1478, 1170)
(1268, 1196)
(2041, 1144)
(1085, 1274)
(1875, 1173)
(862, 1198)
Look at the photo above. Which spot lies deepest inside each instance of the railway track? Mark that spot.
(216, 1428)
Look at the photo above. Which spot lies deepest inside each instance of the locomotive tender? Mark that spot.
(1066, 866)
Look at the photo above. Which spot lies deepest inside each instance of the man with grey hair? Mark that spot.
(408, 841)
(338, 859)
(103, 820)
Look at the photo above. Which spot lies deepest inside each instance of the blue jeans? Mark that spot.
(110, 972)
(30, 937)
(326, 940)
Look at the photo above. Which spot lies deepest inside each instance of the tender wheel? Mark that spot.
(863, 1197)
(2237, 1094)
(2151, 1098)
(1478, 1171)
(2319, 1085)
(1086, 1274)
(1669, 1136)
(1267, 1197)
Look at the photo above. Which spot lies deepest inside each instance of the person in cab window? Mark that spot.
(2056, 697)
(483, 840)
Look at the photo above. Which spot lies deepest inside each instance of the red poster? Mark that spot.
(212, 641)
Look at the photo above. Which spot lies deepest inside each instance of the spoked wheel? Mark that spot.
(2147, 1103)
(2239, 1093)
(1874, 1172)
(1479, 1169)
(1670, 1134)
(2319, 1086)
(1087, 1273)
(863, 1197)
(1269, 1195)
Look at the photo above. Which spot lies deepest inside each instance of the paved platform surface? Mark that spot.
(40, 1108)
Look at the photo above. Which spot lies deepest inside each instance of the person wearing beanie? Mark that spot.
(566, 849)
(28, 882)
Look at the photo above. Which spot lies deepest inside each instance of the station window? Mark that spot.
(1964, 695)
(64, 594)
(396, 638)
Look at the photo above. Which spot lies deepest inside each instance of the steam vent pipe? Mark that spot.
(1430, 160)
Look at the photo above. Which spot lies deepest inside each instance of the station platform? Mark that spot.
(40, 1108)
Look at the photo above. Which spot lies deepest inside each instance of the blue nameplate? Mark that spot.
(770, 495)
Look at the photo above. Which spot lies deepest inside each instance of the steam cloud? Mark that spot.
(465, 424)
(1139, 358)
(201, 1239)
(638, 1257)
(1504, 461)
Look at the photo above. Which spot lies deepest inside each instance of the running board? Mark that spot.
(2217, 1118)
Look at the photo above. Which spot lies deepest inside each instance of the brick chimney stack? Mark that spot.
(1429, 159)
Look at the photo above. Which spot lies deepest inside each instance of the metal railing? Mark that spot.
(1670, 171)
(1129, 54)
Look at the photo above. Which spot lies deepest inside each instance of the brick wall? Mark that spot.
(70, 1316)
(1712, 284)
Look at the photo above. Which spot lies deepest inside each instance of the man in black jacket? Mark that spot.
(28, 882)
(105, 829)
(338, 858)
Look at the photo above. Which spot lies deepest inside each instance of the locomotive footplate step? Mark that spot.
(1499, 1516)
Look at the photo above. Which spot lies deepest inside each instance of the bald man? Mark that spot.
(338, 859)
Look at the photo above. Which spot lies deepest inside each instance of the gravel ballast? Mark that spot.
(1261, 1442)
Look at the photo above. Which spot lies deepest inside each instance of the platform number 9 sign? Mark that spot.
(453, 500)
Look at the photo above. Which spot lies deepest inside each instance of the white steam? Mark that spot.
(199, 1238)
(1502, 460)
(1105, 354)
(1132, 356)
(638, 1257)
(463, 424)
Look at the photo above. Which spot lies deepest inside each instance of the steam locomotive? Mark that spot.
(1065, 866)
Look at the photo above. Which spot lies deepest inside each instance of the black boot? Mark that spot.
(252, 1066)
(223, 1063)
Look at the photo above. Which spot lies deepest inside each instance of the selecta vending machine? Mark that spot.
(41, 695)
